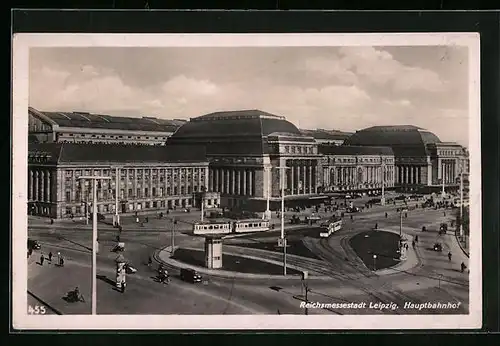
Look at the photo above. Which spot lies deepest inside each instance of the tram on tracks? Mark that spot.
(331, 226)
(230, 226)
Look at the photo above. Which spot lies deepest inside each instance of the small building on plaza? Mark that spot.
(245, 149)
(84, 127)
(147, 178)
(422, 161)
(361, 169)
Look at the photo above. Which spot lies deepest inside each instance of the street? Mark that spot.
(337, 275)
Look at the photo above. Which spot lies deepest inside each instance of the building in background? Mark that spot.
(331, 137)
(361, 169)
(245, 150)
(422, 161)
(80, 127)
(149, 178)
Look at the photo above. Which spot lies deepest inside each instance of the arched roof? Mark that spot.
(405, 140)
(245, 130)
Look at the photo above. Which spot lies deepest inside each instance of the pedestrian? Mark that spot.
(449, 256)
(416, 238)
(50, 256)
(413, 243)
(462, 267)
(376, 225)
(386, 215)
(406, 215)
(351, 217)
(123, 287)
(146, 219)
(51, 221)
(150, 261)
(30, 252)
(62, 262)
(41, 259)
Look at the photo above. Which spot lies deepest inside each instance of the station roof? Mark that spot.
(323, 134)
(115, 153)
(103, 121)
(405, 140)
(246, 130)
(353, 150)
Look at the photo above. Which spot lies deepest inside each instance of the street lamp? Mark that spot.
(116, 220)
(374, 262)
(382, 200)
(461, 204)
(94, 237)
(267, 213)
(443, 193)
(283, 238)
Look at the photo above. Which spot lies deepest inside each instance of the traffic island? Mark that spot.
(232, 263)
(377, 249)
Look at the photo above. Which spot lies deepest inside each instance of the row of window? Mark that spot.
(448, 152)
(106, 194)
(358, 160)
(140, 171)
(296, 149)
(88, 135)
(109, 208)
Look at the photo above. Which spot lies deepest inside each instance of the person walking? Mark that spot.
(50, 256)
(386, 215)
(449, 256)
(41, 259)
(150, 261)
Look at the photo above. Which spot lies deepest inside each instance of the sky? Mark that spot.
(342, 88)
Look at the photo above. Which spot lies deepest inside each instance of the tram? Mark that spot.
(231, 226)
(331, 226)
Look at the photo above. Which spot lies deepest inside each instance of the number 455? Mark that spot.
(37, 310)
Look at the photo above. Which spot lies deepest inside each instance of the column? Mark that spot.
(238, 178)
(310, 178)
(42, 186)
(292, 173)
(251, 183)
(30, 185)
(410, 174)
(244, 182)
(304, 175)
(48, 186)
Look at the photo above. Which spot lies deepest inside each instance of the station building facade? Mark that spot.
(146, 178)
(251, 153)
(82, 127)
(422, 161)
(361, 169)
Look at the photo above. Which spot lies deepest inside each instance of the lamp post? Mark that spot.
(172, 235)
(267, 213)
(443, 193)
(461, 204)
(94, 238)
(283, 237)
(117, 189)
(374, 262)
(382, 200)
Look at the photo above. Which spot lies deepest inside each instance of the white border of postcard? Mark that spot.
(21, 320)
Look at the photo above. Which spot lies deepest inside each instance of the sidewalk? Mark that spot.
(411, 260)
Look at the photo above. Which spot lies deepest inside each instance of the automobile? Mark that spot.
(33, 244)
(190, 275)
(120, 246)
(443, 228)
(353, 210)
(438, 247)
(129, 269)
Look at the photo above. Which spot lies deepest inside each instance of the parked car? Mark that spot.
(190, 275)
(33, 244)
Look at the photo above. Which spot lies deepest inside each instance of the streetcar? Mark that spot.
(231, 226)
(331, 226)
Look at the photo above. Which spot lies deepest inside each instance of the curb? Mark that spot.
(460, 245)
(45, 303)
(227, 274)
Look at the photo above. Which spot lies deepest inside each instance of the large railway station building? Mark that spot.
(239, 159)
